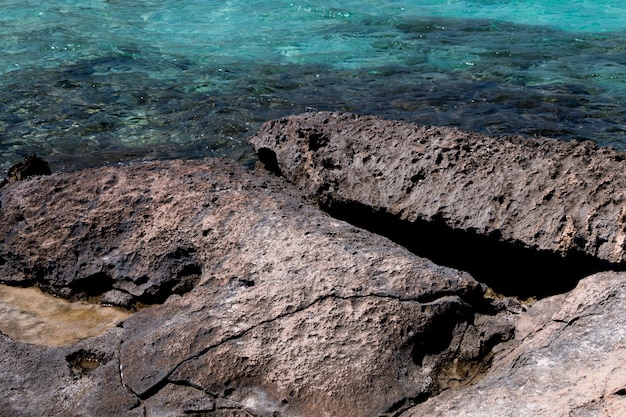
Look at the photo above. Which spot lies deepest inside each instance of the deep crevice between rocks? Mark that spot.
(508, 268)
(400, 406)
(91, 286)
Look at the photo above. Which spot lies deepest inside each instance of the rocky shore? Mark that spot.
(333, 280)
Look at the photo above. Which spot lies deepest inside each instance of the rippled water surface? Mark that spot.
(84, 83)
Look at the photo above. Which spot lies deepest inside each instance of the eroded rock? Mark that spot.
(567, 360)
(261, 304)
(98, 233)
(539, 193)
(81, 379)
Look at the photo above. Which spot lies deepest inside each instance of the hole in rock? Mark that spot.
(621, 392)
(437, 336)
(246, 282)
(269, 160)
(509, 269)
(82, 361)
(317, 140)
(184, 281)
(91, 286)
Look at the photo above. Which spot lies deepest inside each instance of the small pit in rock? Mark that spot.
(509, 269)
(186, 278)
(83, 361)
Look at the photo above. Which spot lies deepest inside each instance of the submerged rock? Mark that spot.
(257, 302)
(538, 193)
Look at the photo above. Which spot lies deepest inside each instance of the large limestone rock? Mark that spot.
(568, 352)
(538, 193)
(567, 359)
(253, 302)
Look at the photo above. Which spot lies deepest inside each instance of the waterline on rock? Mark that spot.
(111, 81)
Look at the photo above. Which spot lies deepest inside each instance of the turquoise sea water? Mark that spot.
(84, 83)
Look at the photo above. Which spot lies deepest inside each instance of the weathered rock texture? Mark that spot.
(253, 303)
(269, 306)
(568, 360)
(540, 193)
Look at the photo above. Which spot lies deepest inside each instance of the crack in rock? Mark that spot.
(147, 393)
(285, 304)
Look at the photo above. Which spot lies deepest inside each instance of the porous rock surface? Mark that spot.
(567, 360)
(540, 193)
(254, 303)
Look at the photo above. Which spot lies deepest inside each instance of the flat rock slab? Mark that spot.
(568, 360)
(535, 192)
(257, 303)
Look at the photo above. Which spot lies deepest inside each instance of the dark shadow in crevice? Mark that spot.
(437, 337)
(509, 269)
(91, 286)
(399, 407)
(269, 160)
(186, 280)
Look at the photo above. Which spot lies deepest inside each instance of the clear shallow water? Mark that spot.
(31, 316)
(89, 82)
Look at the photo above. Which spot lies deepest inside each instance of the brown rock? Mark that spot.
(538, 193)
(567, 360)
(269, 307)
(77, 380)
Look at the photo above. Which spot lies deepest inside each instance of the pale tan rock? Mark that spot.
(567, 359)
